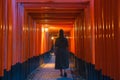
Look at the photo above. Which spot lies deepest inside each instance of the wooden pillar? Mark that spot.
(72, 38)
(106, 23)
(19, 29)
(119, 33)
(38, 36)
(7, 35)
(1, 39)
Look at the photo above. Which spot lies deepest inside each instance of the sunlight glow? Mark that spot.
(42, 29)
(46, 29)
(52, 38)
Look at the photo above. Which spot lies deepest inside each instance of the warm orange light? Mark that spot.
(112, 34)
(42, 29)
(1, 26)
(46, 29)
(10, 28)
(72, 40)
(89, 28)
(52, 38)
(84, 28)
(106, 27)
(37, 29)
(23, 28)
(109, 36)
(103, 27)
(67, 37)
(44, 39)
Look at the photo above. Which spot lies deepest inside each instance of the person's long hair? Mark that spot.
(61, 33)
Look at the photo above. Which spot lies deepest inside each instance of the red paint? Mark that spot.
(52, 0)
(94, 36)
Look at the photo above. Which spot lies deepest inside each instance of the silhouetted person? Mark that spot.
(61, 52)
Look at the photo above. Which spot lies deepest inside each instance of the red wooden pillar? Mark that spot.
(92, 20)
(116, 27)
(107, 54)
(72, 38)
(18, 33)
(89, 40)
(79, 36)
(30, 37)
(75, 30)
(25, 37)
(44, 38)
(6, 26)
(9, 30)
(106, 37)
(35, 39)
(110, 39)
(5, 11)
(1, 38)
(38, 39)
(15, 33)
(98, 36)
(119, 33)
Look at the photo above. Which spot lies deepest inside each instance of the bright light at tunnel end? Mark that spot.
(52, 38)
(46, 29)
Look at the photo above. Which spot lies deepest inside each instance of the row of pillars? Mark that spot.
(98, 39)
(21, 38)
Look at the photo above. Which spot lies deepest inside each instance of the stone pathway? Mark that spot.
(47, 72)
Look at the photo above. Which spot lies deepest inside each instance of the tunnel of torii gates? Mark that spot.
(28, 28)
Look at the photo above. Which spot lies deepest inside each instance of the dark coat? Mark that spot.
(61, 52)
